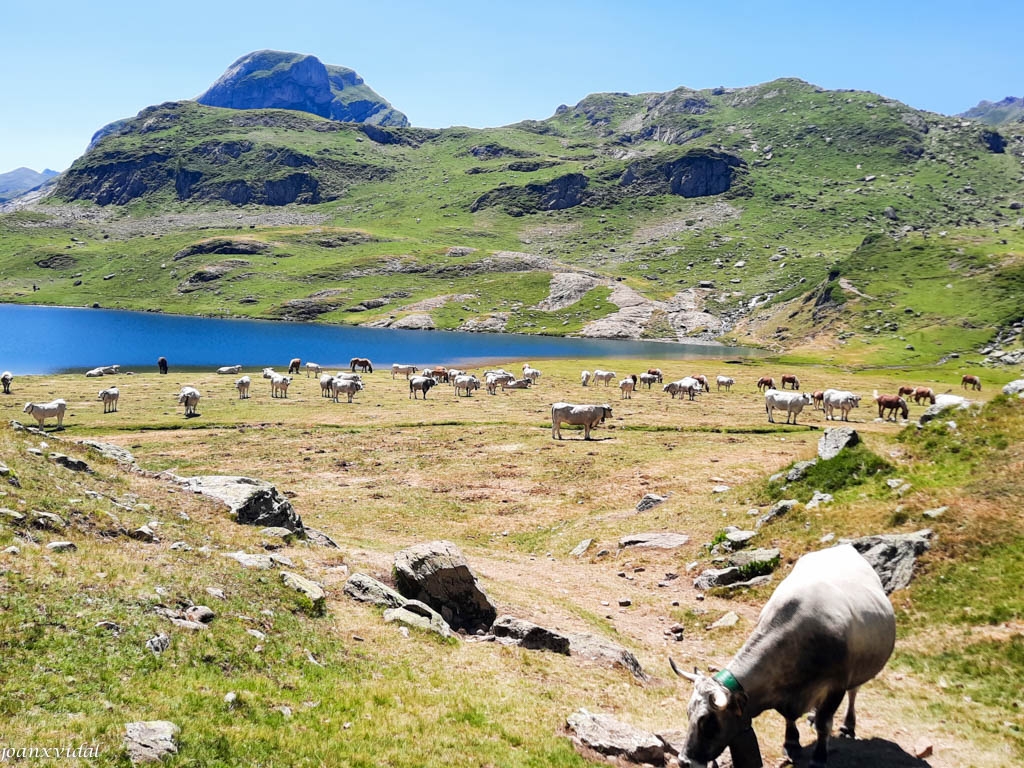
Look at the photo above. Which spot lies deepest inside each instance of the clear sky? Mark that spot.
(69, 67)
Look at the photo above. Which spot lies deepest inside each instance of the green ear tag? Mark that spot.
(725, 677)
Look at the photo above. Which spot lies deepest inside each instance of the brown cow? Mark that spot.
(791, 379)
(294, 365)
(703, 381)
(891, 403)
(765, 383)
(905, 390)
(819, 398)
(656, 372)
(922, 393)
(974, 381)
(362, 363)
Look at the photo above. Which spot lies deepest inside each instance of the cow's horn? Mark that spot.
(693, 678)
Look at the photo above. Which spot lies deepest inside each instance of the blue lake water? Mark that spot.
(39, 340)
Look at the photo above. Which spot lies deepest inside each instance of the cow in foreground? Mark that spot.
(586, 416)
(827, 629)
(790, 402)
(43, 411)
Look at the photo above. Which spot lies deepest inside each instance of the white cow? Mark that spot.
(605, 376)
(279, 385)
(725, 381)
(516, 384)
(584, 378)
(495, 378)
(313, 368)
(686, 385)
(790, 402)
(626, 387)
(325, 384)
(347, 387)
(649, 379)
(408, 370)
(229, 369)
(109, 396)
(844, 400)
(466, 383)
(189, 397)
(420, 384)
(531, 373)
(587, 416)
(242, 385)
(43, 411)
(828, 629)
(94, 373)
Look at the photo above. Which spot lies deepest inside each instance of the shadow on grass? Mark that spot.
(857, 753)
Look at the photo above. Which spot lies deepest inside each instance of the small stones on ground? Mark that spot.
(143, 533)
(186, 624)
(731, 619)
(199, 613)
(818, 499)
(580, 549)
(649, 501)
(257, 634)
(625, 602)
(827, 538)
(720, 488)
(216, 592)
(180, 546)
(149, 742)
(894, 482)
(933, 514)
(158, 643)
(286, 711)
(110, 626)
(46, 520)
(61, 546)
(231, 698)
(778, 509)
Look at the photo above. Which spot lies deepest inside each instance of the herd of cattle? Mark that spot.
(789, 399)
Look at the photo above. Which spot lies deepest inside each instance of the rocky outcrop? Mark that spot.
(698, 173)
(566, 289)
(414, 322)
(944, 403)
(558, 194)
(250, 501)
(615, 739)
(437, 574)
(893, 555)
(366, 589)
(282, 80)
(531, 636)
(836, 439)
(150, 741)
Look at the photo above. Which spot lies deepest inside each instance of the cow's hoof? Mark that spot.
(846, 733)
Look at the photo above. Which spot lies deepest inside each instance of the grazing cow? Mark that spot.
(279, 385)
(109, 396)
(725, 381)
(791, 379)
(408, 370)
(819, 397)
(905, 390)
(438, 373)
(420, 384)
(891, 403)
(790, 402)
(6, 378)
(313, 368)
(531, 373)
(347, 387)
(605, 376)
(242, 385)
(586, 416)
(702, 380)
(844, 400)
(229, 369)
(454, 373)
(362, 363)
(657, 372)
(827, 629)
(189, 397)
(687, 385)
(765, 383)
(325, 384)
(516, 384)
(923, 393)
(161, 364)
(43, 411)
(626, 387)
(467, 383)
(973, 381)
(649, 379)
(295, 365)
(584, 378)
(493, 379)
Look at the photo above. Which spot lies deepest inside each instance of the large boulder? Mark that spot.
(366, 589)
(604, 652)
(150, 741)
(250, 501)
(613, 738)
(893, 555)
(834, 440)
(1014, 388)
(942, 404)
(413, 613)
(437, 574)
(526, 634)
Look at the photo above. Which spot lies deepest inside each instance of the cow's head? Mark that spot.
(806, 398)
(856, 401)
(716, 714)
(28, 408)
(606, 412)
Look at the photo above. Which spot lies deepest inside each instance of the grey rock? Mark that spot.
(12, 550)
(75, 465)
(778, 509)
(413, 613)
(580, 549)
(143, 533)
(818, 499)
(159, 643)
(893, 555)
(437, 574)
(529, 635)
(605, 652)
(368, 590)
(798, 470)
(61, 546)
(180, 546)
(195, 626)
(260, 562)
(717, 577)
(250, 501)
(757, 581)
(720, 489)
(834, 440)
(1014, 388)
(151, 741)
(199, 613)
(320, 539)
(608, 736)
(415, 322)
(944, 403)
(215, 592)
(276, 532)
(933, 514)
(110, 626)
(654, 540)
(739, 539)
(894, 482)
(731, 619)
(751, 557)
(310, 589)
(257, 634)
(46, 520)
(111, 451)
(11, 516)
(649, 501)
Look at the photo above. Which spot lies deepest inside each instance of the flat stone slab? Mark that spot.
(150, 741)
(608, 736)
(313, 591)
(580, 549)
(366, 589)
(604, 652)
(250, 501)
(111, 451)
(654, 540)
(416, 614)
(532, 636)
(260, 562)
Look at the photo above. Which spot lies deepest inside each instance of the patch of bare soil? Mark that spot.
(701, 217)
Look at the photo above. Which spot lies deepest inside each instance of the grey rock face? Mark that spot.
(944, 403)
(417, 322)
(717, 577)
(834, 440)
(260, 562)
(159, 643)
(150, 741)
(413, 613)
(654, 540)
(604, 652)
(251, 501)
(798, 470)
(893, 555)
(111, 451)
(650, 501)
(528, 635)
(753, 556)
(437, 574)
(1014, 388)
(368, 590)
(611, 737)
(778, 509)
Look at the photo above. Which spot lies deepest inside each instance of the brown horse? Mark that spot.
(974, 381)
(923, 393)
(362, 364)
(891, 403)
(656, 372)
(765, 382)
(819, 399)
(294, 365)
(906, 390)
(791, 379)
(703, 380)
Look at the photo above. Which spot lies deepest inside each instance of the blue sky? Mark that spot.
(71, 67)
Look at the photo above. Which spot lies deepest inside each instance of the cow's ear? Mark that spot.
(738, 703)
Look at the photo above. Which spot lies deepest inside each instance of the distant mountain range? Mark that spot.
(21, 180)
(1009, 110)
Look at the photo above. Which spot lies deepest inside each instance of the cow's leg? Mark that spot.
(849, 727)
(791, 746)
(823, 726)
(586, 431)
